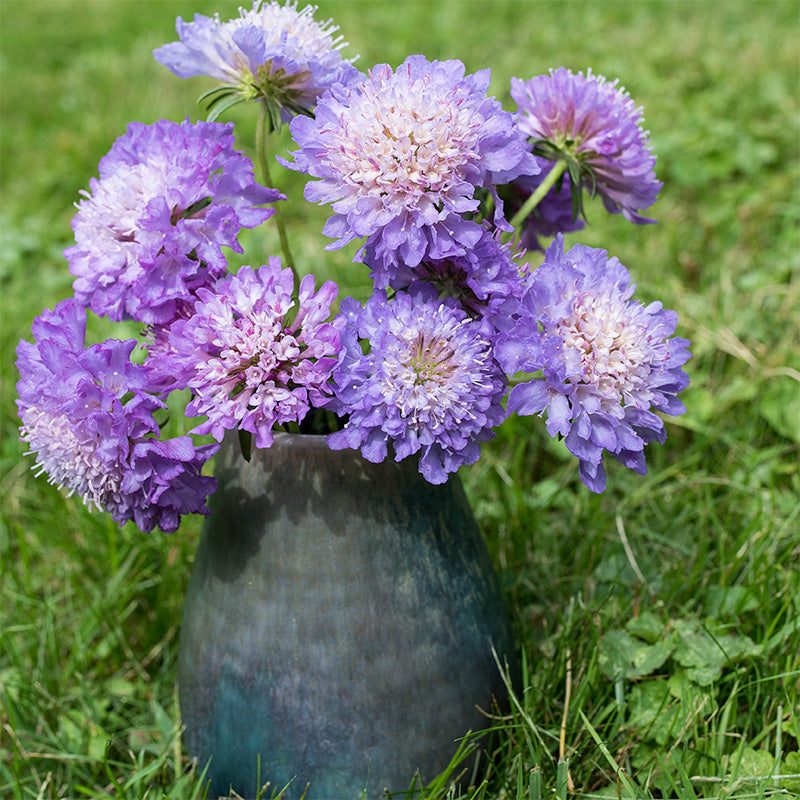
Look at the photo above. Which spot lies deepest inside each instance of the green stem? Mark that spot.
(262, 131)
(541, 190)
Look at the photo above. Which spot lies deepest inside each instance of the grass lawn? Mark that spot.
(659, 622)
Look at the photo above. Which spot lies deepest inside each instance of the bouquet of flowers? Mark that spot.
(448, 194)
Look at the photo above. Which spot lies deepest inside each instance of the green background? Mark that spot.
(668, 605)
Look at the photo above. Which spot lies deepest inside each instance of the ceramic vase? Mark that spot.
(339, 625)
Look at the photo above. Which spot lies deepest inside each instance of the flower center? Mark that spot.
(253, 353)
(611, 345)
(403, 142)
(277, 23)
(430, 359)
(120, 199)
(428, 377)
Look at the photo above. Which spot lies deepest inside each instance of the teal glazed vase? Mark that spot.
(339, 625)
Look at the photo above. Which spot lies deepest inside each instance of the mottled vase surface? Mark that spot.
(339, 624)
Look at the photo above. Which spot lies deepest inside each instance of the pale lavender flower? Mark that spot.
(594, 124)
(88, 419)
(608, 363)
(272, 52)
(401, 157)
(252, 355)
(427, 385)
(168, 198)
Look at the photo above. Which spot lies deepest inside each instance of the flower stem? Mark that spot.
(541, 190)
(262, 131)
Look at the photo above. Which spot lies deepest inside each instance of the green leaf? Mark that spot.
(704, 655)
(194, 208)
(791, 766)
(622, 778)
(246, 444)
(724, 601)
(791, 726)
(165, 723)
(779, 404)
(755, 763)
(652, 707)
(626, 656)
(646, 626)
(120, 687)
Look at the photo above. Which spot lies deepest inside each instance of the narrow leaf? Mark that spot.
(246, 444)
(219, 107)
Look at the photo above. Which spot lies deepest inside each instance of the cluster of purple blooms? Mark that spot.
(425, 169)
(151, 232)
(88, 414)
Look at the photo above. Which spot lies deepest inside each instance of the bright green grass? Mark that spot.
(658, 623)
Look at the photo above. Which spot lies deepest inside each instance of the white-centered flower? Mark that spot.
(70, 462)
(271, 52)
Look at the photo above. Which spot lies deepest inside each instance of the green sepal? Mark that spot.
(273, 114)
(544, 148)
(218, 107)
(219, 91)
(589, 172)
(575, 173)
(189, 212)
(220, 99)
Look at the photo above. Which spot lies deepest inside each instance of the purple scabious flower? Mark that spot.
(87, 416)
(272, 52)
(594, 124)
(428, 383)
(554, 214)
(168, 198)
(485, 281)
(608, 363)
(252, 355)
(400, 157)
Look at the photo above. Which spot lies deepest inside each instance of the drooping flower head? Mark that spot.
(555, 212)
(596, 126)
(485, 281)
(608, 362)
(251, 355)
(88, 418)
(272, 52)
(400, 157)
(428, 383)
(151, 231)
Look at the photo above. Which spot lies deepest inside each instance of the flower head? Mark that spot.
(151, 232)
(428, 383)
(272, 52)
(594, 124)
(401, 155)
(88, 418)
(608, 362)
(251, 354)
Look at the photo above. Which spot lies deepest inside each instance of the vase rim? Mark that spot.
(316, 445)
(314, 439)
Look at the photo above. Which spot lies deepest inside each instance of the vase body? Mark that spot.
(339, 625)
